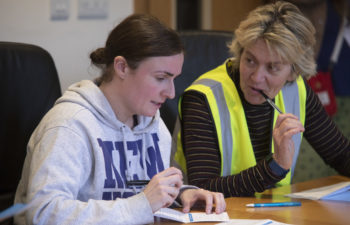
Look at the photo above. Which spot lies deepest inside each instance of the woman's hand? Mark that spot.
(190, 196)
(163, 188)
(286, 126)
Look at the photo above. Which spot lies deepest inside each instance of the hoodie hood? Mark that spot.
(88, 95)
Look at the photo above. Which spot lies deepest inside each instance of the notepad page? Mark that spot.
(176, 215)
(171, 214)
(319, 193)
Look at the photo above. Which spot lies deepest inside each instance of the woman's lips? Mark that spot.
(257, 90)
(158, 104)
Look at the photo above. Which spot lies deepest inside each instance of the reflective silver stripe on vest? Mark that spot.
(292, 105)
(291, 101)
(225, 120)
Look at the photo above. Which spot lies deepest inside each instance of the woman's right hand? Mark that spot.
(286, 126)
(163, 188)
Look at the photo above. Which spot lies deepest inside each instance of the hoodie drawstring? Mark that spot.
(127, 172)
(143, 154)
(143, 159)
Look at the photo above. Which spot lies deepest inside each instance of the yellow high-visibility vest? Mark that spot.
(235, 145)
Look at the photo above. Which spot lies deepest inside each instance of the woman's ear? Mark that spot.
(292, 77)
(120, 66)
(293, 74)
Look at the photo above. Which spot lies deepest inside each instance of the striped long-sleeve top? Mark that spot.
(202, 152)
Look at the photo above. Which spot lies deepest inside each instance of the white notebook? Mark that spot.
(176, 215)
(336, 192)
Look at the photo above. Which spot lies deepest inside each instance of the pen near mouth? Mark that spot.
(270, 101)
(264, 95)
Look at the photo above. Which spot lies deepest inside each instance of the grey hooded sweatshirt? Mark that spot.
(80, 157)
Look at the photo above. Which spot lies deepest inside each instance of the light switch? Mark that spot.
(59, 9)
(93, 9)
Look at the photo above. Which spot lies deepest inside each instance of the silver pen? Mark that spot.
(270, 101)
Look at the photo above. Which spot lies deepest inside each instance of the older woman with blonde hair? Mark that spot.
(242, 123)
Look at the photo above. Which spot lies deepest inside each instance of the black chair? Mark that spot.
(204, 50)
(28, 89)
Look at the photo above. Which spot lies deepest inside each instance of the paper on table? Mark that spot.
(172, 214)
(251, 222)
(339, 192)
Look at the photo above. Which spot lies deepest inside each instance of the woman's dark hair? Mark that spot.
(136, 38)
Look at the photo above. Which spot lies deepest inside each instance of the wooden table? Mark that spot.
(310, 212)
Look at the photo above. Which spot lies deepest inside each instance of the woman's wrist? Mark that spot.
(275, 167)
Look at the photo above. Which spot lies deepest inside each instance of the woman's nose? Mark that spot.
(170, 90)
(259, 74)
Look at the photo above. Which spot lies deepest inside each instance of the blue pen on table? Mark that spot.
(274, 204)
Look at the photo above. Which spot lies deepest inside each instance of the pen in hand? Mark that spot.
(270, 101)
(137, 182)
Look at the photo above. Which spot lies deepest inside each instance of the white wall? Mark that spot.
(68, 41)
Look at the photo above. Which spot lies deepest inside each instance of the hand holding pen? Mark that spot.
(163, 188)
(286, 126)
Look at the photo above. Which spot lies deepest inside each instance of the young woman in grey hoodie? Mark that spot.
(103, 134)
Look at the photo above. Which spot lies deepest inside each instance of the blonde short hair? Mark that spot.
(285, 30)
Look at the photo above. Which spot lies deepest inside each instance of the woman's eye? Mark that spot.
(249, 61)
(160, 78)
(274, 68)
